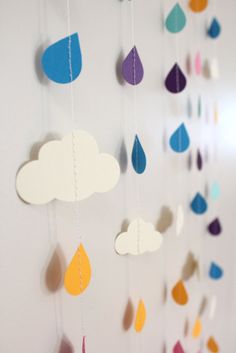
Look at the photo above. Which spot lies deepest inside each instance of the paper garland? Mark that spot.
(176, 20)
(70, 169)
(198, 5)
(179, 293)
(214, 228)
(175, 81)
(62, 61)
(215, 271)
(132, 68)
(199, 204)
(179, 140)
(140, 317)
(140, 237)
(214, 29)
(78, 273)
(138, 156)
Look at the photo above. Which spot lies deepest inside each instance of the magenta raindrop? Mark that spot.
(214, 228)
(175, 81)
(132, 68)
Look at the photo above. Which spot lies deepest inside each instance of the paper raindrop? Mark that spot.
(178, 348)
(65, 346)
(175, 81)
(212, 345)
(214, 29)
(179, 293)
(198, 64)
(215, 271)
(198, 204)
(197, 328)
(62, 61)
(212, 307)
(78, 273)
(179, 140)
(138, 156)
(198, 5)
(179, 220)
(128, 315)
(199, 160)
(176, 20)
(55, 270)
(132, 68)
(214, 227)
(83, 345)
(189, 108)
(140, 317)
(215, 191)
(199, 107)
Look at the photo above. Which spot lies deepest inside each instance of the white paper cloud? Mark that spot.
(140, 237)
(71, 169)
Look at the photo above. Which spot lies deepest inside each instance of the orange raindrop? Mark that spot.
(212, 345)
(179, 293)
(198, 5)
(140, 317)
(78, 273)
(197, 328)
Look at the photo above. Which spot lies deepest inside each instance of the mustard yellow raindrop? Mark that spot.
(78, 273)
(140, 317)
(197, 328)
(179, 293)
(212, 345)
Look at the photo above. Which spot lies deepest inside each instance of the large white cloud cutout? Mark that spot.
(70, 169)
(140, 237)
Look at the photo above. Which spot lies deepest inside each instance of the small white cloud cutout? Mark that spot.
(70, 169)
(140, 237)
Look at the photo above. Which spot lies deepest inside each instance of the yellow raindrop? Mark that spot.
(197, 328)
(198, 5)
(78, 273)
(212, 345)
(179, 293)
(140, 317)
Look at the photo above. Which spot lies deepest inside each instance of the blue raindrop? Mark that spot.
(214, 29)
(198, 204)
(179, 140)
(62, 61)
(138, 156)
(215, 271)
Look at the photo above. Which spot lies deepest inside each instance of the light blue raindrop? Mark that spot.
(176, 20)
(62, 61)
(138, 156)
(214, 29)
(199, 204)
(179, 140)
(215, 191)
(215, 271)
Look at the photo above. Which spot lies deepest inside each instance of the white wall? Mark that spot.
(33, 109)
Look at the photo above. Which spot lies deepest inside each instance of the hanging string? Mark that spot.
(135, 120)
(75, 152)
(50, 209)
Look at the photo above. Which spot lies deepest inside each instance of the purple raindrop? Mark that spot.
(214, 227)
(132, 68)
(175, 81)
(199, 160)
